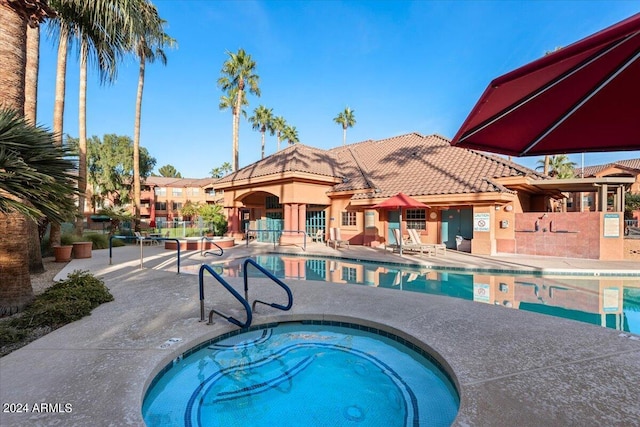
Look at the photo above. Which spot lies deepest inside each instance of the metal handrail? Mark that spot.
(202, 239)
(273, 278)
(304, 233)
(141, 250)
(233, 292)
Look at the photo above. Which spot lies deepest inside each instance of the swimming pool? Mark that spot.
(303, 375)
(612, 302)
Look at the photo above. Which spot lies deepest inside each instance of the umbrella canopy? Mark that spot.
(398, 202)
(582, 98)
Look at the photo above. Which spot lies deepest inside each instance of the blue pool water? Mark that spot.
(302, 375)
(611, 302)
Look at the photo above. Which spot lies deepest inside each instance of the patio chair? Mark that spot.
(319, 236)
(432, 248)
(335, 238)
(143, 239)
(407, 245)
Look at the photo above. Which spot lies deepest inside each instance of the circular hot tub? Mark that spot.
(303, 375)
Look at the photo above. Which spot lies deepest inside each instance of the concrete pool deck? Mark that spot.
(511, 367)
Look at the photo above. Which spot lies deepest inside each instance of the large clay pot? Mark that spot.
(82, 250)
(62, 253)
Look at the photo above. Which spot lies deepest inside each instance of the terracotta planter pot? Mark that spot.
(82, 250)
(62, 253)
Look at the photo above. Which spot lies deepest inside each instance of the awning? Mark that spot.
(582, 98)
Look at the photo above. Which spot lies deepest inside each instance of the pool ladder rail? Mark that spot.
(203, 252)
(243, 300)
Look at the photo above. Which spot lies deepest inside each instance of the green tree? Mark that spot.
(221, 170)
(168, 171)
(147, 43)
(559, 166)
(290, 134)
(36, 179)
(262, 121)
(238, 75)
(110, 165)
(190, 210)
(346, 119)
(213, 214)
(279, 124)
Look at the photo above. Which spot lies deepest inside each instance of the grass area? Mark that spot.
(65, 302)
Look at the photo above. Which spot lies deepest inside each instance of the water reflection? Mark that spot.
(609, 302)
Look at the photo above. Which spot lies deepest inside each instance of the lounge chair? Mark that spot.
(319, 236)
(407, 245)
(336, 239)
(432, 248)
(143, 239)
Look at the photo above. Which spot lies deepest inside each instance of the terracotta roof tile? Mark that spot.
(414, 164)
(591, 171)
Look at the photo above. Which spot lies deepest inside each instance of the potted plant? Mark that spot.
(62, 253)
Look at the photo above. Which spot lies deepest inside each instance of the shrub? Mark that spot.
(100, 241)
(66, 301)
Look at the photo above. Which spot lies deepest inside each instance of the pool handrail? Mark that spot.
(141, 246)
(232, 291)
(202, 240)
(273, 278)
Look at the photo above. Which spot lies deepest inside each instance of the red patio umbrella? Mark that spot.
(398, 202)
(582, 98)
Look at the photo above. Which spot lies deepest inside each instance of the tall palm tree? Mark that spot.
(228, 101)
(262, 121)
(15, 227)
(279, 123)
(290, 134)
(238, 72)
(559, 166)
(148, 46)
(36, 179)
(346, 119)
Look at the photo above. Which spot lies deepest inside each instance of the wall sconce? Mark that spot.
(508, 208)
(497, 207)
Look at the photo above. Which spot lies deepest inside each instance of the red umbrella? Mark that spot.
(398, 202)
(582, 98)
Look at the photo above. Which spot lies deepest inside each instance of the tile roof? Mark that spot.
(413, 163)
(591, 171)
(165, 181)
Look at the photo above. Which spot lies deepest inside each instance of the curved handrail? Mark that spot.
(160, 239)
(202, 239)
(304, 234)
(273, 278)
(228, 287)
(111, 244)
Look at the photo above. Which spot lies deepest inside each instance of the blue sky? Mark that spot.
(403, 66)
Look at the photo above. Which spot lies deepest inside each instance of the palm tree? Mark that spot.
(262, 120)
(290, 134)
(102, 24)
(559, 166)
(16, 228)
(168, 170)
(346, 119)
(279, 123)
(221, 170)
(148, 47)
(238, 73)
(229, 102)
(36, 179)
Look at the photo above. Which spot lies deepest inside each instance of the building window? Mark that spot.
(349, 274)
(176, 192)
(348, 219)
(273, 202)
(160, 191)
(196, 191)
(416, 219)
(587, 201)
(177, 206)
(161, 206)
